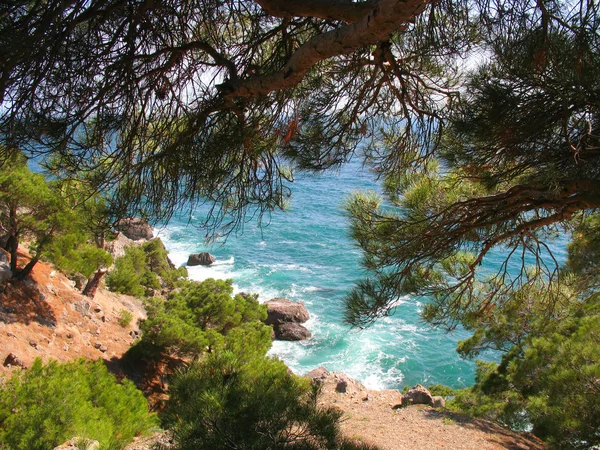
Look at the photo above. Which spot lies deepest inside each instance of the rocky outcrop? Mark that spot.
(117, 246)
(438, 401)
(342, 383)
(286, 317)
(135, 229)
(200, 259)
(318, 375)
(283, 310)
(418, 395)
(291, 331)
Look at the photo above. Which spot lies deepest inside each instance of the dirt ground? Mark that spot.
(375, 418)
(46, 317)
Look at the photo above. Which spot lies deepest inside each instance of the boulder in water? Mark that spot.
(200, 259)
(282, 310)
(291, 331)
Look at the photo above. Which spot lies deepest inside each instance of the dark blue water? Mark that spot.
(306, 255)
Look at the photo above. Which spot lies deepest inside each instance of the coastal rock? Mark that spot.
(342, 385)
(135, 228)
(79, 279)
(438, 401)
(200, 259)
(291, 331)
(283, 310)
(117, 247)
(318, 375)
(418, 395)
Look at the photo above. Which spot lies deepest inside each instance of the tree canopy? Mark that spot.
(480, 117)
(217, 100)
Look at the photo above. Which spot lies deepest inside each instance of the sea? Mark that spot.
(305, 254)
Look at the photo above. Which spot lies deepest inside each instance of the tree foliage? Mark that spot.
(46, 405)
(142, 268)
(170, 103)
(29, 209)
(548, 375)
(206, 317)
(231, 402)
(516, 167)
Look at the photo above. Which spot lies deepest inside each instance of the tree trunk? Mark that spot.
(92, 285)
(12, 245)
(22, 274)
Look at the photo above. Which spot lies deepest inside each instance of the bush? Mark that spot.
(125, 318)
(206, 316)
(129, 268)
(230, 402)
(142, 268)
(44, 406)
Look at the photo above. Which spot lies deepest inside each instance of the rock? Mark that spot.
(291, 332)
(135, 229)
(117, 247)
(438, 401)
(13, 360)
(342, 385)
(100, 346)
(418, 395)
(79, 279)
(79, 444)
(318, 375)
(5, 272)
(282, 310)
(82, 306)
(200, 259)
(4, 256)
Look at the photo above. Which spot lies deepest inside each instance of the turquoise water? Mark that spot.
(306, 255)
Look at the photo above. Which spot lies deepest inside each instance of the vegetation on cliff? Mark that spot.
(47, 404)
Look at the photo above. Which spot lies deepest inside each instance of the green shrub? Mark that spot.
(142, 268)
(125, 318)
(71, 253)
(230, 402)
(47, 404)
(206, 316)
(128, 271)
